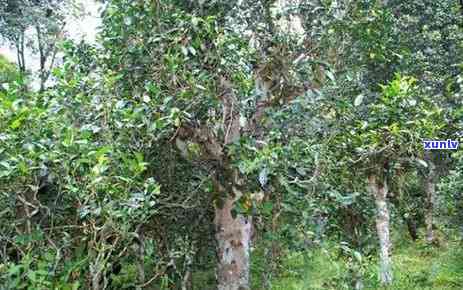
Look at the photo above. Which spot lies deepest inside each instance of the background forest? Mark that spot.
(232, 145)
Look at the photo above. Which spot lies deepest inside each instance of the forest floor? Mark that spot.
(417, 266)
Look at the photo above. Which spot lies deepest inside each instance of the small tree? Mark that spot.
(35, 24)
(381, 135)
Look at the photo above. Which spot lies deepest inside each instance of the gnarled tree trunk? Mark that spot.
(233, 237)
(379, 190)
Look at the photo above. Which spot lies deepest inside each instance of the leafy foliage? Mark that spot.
(115, 175)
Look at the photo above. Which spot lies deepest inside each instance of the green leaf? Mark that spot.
(267, 208)
(16, 123)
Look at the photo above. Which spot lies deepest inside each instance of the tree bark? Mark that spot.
(42, 58)
(411, 226)
(430, 189)
(97, 273)
(187, 280)
(233, 237)
(140, 254)
(20, 52)
(379, 190)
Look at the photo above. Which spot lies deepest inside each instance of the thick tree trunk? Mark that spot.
(430, 190)
(233, 244)
(379, 190)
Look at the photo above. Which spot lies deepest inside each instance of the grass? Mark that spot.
(317, 271)
(416, 267)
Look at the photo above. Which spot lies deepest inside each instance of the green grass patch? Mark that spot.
(417, 266)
